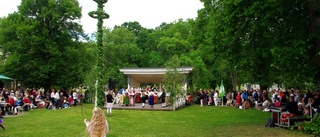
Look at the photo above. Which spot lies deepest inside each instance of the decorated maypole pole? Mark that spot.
(99, 14)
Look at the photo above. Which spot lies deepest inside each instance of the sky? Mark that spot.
(149, 13)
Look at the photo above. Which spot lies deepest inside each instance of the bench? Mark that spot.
(290, 121)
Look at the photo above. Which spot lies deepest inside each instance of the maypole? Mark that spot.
(99, 14)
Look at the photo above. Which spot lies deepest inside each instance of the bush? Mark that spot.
(313, 126)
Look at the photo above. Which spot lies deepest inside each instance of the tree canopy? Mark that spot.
(237, 41)
(41, 39)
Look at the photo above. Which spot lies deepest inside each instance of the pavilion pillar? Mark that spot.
(129, 82)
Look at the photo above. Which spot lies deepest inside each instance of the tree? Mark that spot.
(120, 51)
(42, 42)
(173, 79)
(259, 44)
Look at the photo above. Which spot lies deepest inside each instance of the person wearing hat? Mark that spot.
(300, 109)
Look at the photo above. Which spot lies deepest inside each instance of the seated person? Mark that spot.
(65, 103)
(229, 100)
(291, 109)
(2, 104)
(70, 100)
(50, 106)
(300, 109)
(27, 102)
(39, 101)
(307, 112)
(277, 103)
(10, 104)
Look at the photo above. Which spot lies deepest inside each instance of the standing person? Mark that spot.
(126, 99)
(307, 96)
(216, 98)
(109, 100)
(151, 98)
(201, 96)
(238, 99)
(131, 96)
(144, 97)
(98, 126)
(264, 95)
(198, 97)
(1, 121)
(138, 94)
(163, 98)
(52, 95)
(75, 97)
(57, 99)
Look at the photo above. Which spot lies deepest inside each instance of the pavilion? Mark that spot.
(137, 76)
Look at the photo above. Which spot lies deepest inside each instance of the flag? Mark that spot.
(221, 90)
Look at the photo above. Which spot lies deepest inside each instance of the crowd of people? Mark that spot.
(148, 95)
(291, 101)
(28, 99)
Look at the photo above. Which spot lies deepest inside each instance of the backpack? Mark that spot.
(270, 123)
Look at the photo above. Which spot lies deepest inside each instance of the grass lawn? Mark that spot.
(192, 121)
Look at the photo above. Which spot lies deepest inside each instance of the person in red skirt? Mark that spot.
(138, 93)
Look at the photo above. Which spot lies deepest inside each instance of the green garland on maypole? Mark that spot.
(99, 14)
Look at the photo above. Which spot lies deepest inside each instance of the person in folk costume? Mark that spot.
(163, 98)
(131, 96)
(144, 97)
(138, 93)
(109, 102)
(126, 98)
(98, 126)
(121, 97)
(147, 93)
(151, 98)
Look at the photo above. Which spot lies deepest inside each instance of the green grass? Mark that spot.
(193, 121)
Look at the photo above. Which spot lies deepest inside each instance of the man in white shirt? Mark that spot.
(75, 98)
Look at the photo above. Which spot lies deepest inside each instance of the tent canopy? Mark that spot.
(5, 78)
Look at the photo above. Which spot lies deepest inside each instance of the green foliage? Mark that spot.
(41, 42)
(258, 44)
(313, 126)
(120, 51)
(173, 79)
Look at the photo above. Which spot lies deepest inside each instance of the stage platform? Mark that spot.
(138, 106)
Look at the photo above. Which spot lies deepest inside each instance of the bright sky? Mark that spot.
(149, 13)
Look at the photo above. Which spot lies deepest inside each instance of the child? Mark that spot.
(1, 121)
(50, 106)
(98, 126)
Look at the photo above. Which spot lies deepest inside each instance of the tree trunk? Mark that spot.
(234, 79)
(314, 26)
